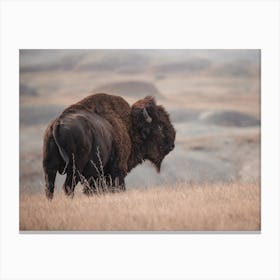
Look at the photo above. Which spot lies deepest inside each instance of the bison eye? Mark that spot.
(160, 128)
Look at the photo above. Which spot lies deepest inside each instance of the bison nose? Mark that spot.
(171, 147)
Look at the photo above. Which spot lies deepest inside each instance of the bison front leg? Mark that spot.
(118, 179)
(121, 181)
(49, 179)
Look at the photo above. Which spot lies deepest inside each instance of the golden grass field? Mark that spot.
(219, 207)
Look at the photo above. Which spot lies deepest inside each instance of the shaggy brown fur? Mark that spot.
(117, 112)
(134, 136)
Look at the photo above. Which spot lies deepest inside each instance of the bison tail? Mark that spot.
(60, 148)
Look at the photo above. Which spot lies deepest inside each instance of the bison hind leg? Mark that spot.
(70, 184)
(50, 179)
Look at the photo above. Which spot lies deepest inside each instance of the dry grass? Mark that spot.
(231, 207)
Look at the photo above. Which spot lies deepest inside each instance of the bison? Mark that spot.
(103, 133)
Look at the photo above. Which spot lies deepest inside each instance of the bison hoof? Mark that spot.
(70, 194)
(49, 194)
(68, 191)
(88, 192)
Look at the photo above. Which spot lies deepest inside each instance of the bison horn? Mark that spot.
(147, 116)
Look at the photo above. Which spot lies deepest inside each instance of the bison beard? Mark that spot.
(104, 130)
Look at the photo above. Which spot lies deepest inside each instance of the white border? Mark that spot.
(155, 24)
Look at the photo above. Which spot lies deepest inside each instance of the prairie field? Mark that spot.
(210, 181)
(184, 207)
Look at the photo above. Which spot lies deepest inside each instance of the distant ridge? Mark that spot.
(136, 89)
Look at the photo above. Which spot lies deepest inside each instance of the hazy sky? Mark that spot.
(40, 60)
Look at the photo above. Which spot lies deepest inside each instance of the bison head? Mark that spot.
(155, 129)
